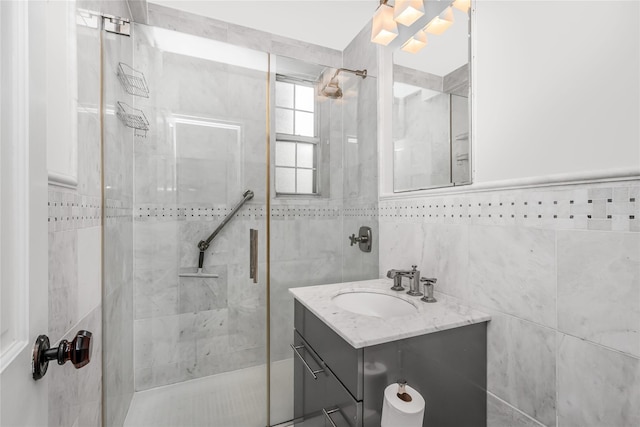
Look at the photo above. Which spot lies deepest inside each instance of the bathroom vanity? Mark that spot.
(344, 360)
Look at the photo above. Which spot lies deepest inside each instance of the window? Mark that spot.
(296, 137)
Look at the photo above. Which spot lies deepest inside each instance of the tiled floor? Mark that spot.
(232, 399)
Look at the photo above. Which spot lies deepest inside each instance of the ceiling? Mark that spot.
(330, 23)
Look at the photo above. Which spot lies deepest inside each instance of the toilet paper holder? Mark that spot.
(400, 410)
(402, 391)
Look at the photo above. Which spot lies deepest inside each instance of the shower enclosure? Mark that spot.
(198, 133)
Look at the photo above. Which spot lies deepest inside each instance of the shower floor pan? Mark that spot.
(232, 399)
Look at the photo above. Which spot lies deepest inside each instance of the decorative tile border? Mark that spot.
(295, 212)
(162, 212)
(69, 210)
(279, 212)
(116, 211)
(583, 207)
(368, 211)
(580, 207)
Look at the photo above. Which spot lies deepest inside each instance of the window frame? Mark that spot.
(299, 139)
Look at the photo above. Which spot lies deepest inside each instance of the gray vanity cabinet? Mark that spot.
(448, 368)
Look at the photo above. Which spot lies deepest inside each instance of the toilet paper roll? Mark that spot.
(396, 412)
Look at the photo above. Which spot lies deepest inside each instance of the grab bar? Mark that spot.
(203, 245)
(306, 365)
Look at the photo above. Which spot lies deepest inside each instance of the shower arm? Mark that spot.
(359, 73)
(203, 245)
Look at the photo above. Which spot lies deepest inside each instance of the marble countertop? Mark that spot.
(363, 331)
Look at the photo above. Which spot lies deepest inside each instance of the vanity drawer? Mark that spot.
(340, 407)
(310, 385)
(344, 360)
(320, 399)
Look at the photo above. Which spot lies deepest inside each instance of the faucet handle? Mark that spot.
(414, 267)
(428, 289)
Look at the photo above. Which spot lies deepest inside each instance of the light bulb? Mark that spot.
(384, 28)
(415, 43)
(440, 23)
(406, 12)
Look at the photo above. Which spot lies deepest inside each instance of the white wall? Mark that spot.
(556, 88)
(556, 93)
(62, 94)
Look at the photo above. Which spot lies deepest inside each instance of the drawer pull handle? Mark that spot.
(328, 415)
(317, 371)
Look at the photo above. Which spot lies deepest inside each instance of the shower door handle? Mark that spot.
(253, 255)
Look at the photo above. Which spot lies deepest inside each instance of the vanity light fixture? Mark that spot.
(462, 5)
(384, 28)
(415, 43)
(440, 23)
(406, 12)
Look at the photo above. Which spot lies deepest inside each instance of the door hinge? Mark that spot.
(110, 23)
(117, 25)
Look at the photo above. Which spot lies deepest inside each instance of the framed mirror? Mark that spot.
(431, 109)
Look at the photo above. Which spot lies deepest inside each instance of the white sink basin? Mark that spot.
(373, 304)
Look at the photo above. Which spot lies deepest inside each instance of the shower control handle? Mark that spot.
(358, 239)
(364, 239)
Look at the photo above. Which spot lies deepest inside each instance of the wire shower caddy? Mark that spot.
(133, 118)
(132, 80)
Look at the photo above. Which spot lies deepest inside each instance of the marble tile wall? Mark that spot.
(75, 304)
(360, 134)
(189, 327)
(558, 269)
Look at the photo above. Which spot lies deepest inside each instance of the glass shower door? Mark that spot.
(198, 323)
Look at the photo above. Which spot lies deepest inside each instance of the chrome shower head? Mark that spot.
(332, 89)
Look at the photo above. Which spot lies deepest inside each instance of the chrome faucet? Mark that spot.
(397, 276)
(413, 275)
(414, 283)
